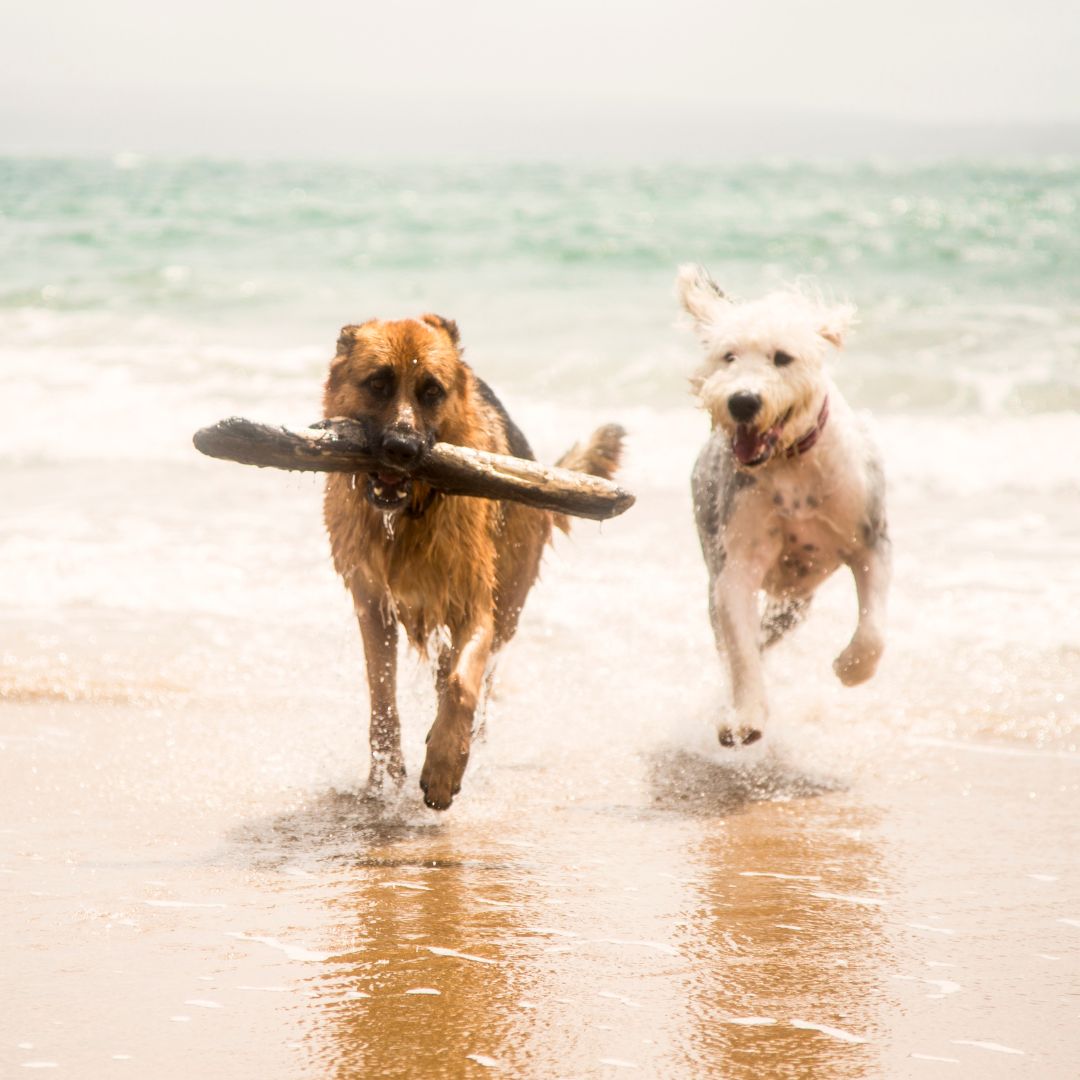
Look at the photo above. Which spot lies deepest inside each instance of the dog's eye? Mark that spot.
(379, 384)
(730, 358)
(431, 393)
(782, 359)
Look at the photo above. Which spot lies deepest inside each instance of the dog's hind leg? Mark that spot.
(378, 628)
(872, 570)
(450, 738)
(780, 616)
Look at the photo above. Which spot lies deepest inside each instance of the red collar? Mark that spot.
(796, 449)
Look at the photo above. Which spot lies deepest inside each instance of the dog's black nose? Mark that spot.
(744, 406)
(402, 448)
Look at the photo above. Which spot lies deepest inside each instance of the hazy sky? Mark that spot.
(322, 76)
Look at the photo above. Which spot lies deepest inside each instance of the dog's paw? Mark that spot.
(438, 788)
(743, 736)
(444, 766)
(387, 773)
(858, 662)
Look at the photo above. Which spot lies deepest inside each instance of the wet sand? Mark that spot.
(191, 885)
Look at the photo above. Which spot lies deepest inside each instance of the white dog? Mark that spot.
(787, 488)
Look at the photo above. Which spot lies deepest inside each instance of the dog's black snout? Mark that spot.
(402, 447)
(744, 406)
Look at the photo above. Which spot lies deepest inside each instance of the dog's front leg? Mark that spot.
(450, 738)
(734, 611)
(380, 633)
(871, 568)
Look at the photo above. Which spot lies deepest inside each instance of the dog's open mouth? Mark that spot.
(388, 490)
(752, 447)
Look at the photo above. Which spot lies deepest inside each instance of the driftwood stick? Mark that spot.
(340, 446)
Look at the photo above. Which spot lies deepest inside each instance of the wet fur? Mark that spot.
(454, 572)
(781, 525)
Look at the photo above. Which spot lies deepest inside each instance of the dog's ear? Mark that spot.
(447, 325)
(836, 322)
(339, 365)
(698, 293)
(347, 337)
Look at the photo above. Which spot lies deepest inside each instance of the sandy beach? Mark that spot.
(191, 886)
(887, 886)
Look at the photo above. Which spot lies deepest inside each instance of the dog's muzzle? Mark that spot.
(744, 406)
(388, 491)
(752, 447)
(390, 487)
(403, 448)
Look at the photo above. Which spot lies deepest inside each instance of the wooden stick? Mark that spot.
(340, 446)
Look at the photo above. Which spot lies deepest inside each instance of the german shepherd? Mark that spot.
(453, 571)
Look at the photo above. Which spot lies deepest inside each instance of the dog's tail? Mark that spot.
(600, 456)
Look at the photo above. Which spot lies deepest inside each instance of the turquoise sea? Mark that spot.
(967, 276)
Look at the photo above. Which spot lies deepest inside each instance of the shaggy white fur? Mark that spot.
(789, 486)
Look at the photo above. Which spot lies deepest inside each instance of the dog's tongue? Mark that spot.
(391, 479)
(749, 443)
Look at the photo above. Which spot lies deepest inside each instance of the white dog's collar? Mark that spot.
(801, 446)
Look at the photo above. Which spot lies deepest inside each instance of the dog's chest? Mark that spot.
(801, 520)
(795, 503)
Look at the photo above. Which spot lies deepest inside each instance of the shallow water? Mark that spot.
(887, 887)
(190, 884)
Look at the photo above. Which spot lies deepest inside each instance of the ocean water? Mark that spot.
(959, 269)
(887, 887)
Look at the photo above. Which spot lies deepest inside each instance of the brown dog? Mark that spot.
(453, 571)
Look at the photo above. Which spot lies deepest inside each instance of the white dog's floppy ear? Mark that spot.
(836, 322)
(697, 292)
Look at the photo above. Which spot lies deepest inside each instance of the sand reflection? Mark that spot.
(785, 930)
(733, 927)
(417, 982)
(423, 955)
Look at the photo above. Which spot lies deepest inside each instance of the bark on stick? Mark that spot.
(340, 446)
